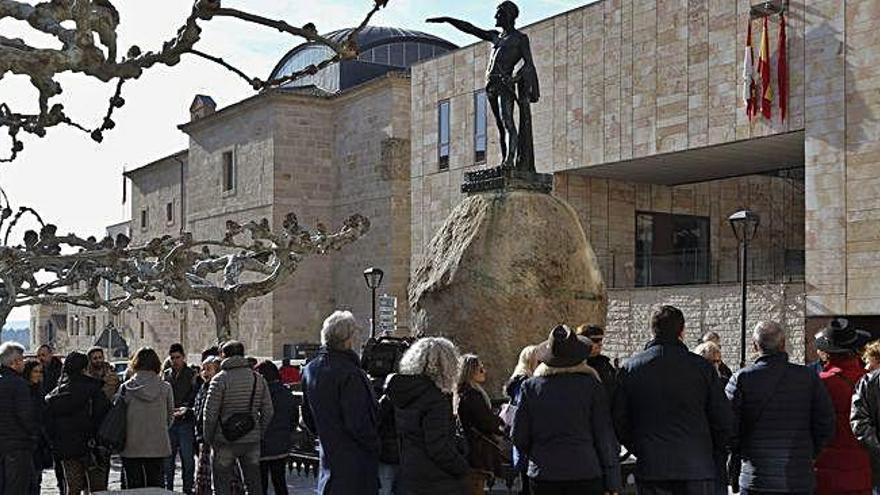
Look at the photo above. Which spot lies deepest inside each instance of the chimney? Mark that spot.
(201, 107)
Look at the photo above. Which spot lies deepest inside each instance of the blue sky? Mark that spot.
(76, 183)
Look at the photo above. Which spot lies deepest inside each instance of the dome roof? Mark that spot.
(381, 49)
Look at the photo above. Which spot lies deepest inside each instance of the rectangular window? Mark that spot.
(480, 126)
(169, 212)
(671, 249)
(144, 218)
(443, 134)
(142, 330)
(228, 171)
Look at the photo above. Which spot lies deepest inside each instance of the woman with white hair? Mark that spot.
(431, 458)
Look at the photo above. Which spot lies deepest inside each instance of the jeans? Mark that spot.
(143, 472)
(18, 469)
(248, 457)
(277, 470)
(387, 477)
(182, 436)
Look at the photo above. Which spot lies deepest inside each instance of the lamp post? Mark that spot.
(373, 276)
(745, 225)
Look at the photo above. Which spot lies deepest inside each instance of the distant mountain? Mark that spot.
(17, 331)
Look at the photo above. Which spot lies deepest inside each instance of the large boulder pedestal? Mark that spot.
(506, 266)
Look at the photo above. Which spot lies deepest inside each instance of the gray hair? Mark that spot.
(711, 336)
(338, 328)
(708, 350)
(769, 336)
(9, 352)
(434, 357)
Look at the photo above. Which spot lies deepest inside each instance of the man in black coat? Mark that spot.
(783, 416)
(183, 382)
(671, 412)
(599, 362)
(18, 426)
(340, 409)
(52, 367)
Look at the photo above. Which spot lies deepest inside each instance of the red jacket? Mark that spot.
(289, 375)
(844, 465)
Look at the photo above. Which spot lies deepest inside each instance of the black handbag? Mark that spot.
(111, 433)
(240, 424)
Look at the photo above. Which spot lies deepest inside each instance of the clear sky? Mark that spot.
(76, 183)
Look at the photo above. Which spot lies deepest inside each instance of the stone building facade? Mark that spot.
(641, 113)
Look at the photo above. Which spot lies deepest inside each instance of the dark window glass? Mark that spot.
(228, 171)
(480, 126)
(412, 54)
(397, 55)
(671, 249)
(443, 134)
(143, 219)
(169, 212)
(380, 54)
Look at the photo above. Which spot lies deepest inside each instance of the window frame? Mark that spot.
(443, 158)
(145, 218)
(705, 221)
(480, 154)
(228, 188)
(169, 213)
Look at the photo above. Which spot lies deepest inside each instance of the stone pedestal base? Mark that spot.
(498, 178)
(505, 267)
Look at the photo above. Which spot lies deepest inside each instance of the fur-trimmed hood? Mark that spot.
(583, 368)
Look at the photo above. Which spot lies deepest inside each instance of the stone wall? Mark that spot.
(706, 307)
(153, 187)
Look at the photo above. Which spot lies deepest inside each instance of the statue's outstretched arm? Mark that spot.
(466, 27)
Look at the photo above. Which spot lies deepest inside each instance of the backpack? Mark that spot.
(111, 433)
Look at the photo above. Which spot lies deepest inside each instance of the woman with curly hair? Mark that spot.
(431, 453)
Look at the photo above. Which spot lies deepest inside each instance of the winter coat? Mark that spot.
(150, 404)
(108, 377)
(340, 409)
(481, 428)
(184, 385)
(513, 391)
(230, 393)
(51, 374)
(432, 456)
(865, 418)
(563, 414)
(276, 442)
(782, 418)
(671, 413)
(389, 452)
(844, 466)
(18, 426)
(607, 373)
(75, 410)
(199, 412)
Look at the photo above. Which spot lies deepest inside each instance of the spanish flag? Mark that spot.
(782, 69)
(764, 72)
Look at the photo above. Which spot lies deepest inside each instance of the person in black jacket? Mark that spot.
(340, 409)
(182, 379)
(75, 409)
(18, 424)
(563, 416)
(865, 418)
(602, 364)
(276, 443)
(389, 452)
(432, 455)
(671, 412)
(210, 367)
(33, 375)
(783, 416)
(481, 427)
(51, 374)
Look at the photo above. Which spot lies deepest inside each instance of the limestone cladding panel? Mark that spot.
(153, 188)
(706, 308)
(607, 210)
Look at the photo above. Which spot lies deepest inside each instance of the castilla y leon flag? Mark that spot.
(764, 71)
(750, 90)
(782, 69)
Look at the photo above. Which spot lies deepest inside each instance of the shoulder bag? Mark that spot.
(240, 424)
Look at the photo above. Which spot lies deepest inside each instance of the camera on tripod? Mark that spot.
(380, 356)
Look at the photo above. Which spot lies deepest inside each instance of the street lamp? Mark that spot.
(373, 276)
(745, 225)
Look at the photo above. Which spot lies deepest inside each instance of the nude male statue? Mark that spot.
(510, 78)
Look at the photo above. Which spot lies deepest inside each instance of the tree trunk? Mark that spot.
(226, 321)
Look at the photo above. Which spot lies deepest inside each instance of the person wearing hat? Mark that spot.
(865, 414)
(783, 417)
(563, 415)
(671, 412)
(599, 362)
(844, 466)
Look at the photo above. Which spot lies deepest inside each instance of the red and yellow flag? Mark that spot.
(764, 72)
(782, 69)
(749, 89)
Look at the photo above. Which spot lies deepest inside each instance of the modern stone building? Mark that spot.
(643, 125)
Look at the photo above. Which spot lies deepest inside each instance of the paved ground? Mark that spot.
(299, 484)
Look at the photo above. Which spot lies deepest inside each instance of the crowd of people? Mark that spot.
(691, 425)
(232, 414)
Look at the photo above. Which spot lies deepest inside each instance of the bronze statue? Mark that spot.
(510, 77)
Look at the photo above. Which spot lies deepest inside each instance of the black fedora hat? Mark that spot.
(839, 336)
(564, 348)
